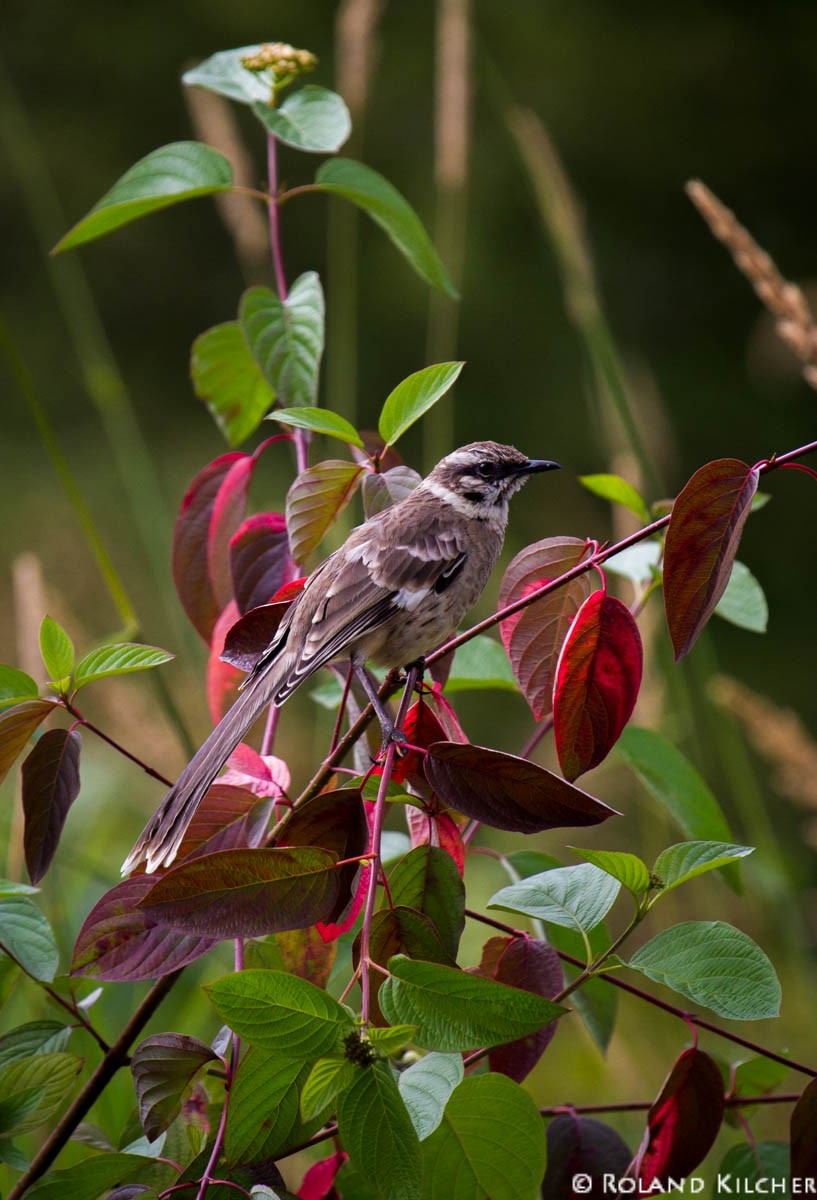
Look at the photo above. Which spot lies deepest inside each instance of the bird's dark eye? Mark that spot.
(485, 470)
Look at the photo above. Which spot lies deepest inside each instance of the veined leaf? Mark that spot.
(319, 420)
(415, 396)
(260, 562)
(179, 171)
(57, 650)
(163, 1067)
(428, 880)
(90, 1178)
(53, 1075)
(392, 212)
(312, 119)
(26, 936)
(426, 1087)
(50, 777)
(385, 488)
(118, 659)
(743, 603)
(315, 500)
(281, 1012)
(15, 687)
(576, 897)
(617, 490)
(628, 869)
(327, 1079)
(286, 338)
(378, 1135)
(677, 864)
(263, 1117)
(16, 726)
(228, 379)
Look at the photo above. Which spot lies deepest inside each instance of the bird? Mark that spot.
(395, 590)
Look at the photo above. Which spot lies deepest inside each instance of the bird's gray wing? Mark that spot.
(384, 568)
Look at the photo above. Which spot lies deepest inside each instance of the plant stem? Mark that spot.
(557, 1110)
(115, 1057)
(116, 746)
(275, 218)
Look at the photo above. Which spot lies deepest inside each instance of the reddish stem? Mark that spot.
(115, 745)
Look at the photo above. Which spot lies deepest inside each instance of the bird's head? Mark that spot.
(480, 478)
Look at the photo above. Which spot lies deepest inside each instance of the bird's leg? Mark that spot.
(387, 727)
(418, 667)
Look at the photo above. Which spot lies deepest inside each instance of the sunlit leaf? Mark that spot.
(377, 1134)
(228, 379)
(225, 74)
(319, 420)
(179, 171)
(263, 1117)
(715, 965)
(491, 1142)
(507, 792)
(598, 676)
(395, 216)
(677, 864)
(628, 869)
(286, 337)
(312, 119)
(702, 539)
(50, 778)
(454, 1010)
(328, 1078)
(315, 501)
(118, 659)
(533, 637)
(744, 603)
(26, 935)
(57, 650)
(576, 897)
(684, 1121)
(281, 1012)
(414, 397)
(246, 893)
(15, 687)
(163, 1067)
(426, 1087)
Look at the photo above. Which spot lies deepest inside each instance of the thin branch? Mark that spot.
(557, 1110)
(116, 745)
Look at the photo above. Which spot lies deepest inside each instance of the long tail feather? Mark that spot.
(159, 841)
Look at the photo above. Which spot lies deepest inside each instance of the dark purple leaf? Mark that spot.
(579, 1147)
(702, 540)
(50, 776)
(209, 516)
(507, 792)
(684, 1121)
(315, 500)
(259, 560)
(163, 1067)
(120, 942)
(597, 682)
(804, 1135)
(427, 879)
(522, 962)
(16, 727)
(534, 636)
(250, 635)
(228, 818)
(335, 821)
(400, 930)
(246, 893)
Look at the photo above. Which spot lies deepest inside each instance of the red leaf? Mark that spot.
(448, 718)
(223, 677)
(702, 540)
(259, 560)
(265, 775)
(319, 1181)
(804, 1134)
(507, 792)
(16, 726)
(246, 893)
(421, 728)
(597, 682)
(522, 962)
(209, 516)
(120, 942)
(228, 818)
(684, 1121)
(579, 1147)
(534, 636)
(50, 786)
(290, 590)
(436, 829)
(315, 500)
(249, 636)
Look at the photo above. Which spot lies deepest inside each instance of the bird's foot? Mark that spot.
(392, 736)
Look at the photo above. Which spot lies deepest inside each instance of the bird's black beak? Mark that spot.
(534, 465)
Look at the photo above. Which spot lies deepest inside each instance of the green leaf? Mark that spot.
(263, 1117)
(57, 650)
(315, 500)
(677, 864)
(312, 119)
(426, 1087)
(377, 1134)
(280, 1012)
(319, 420)
(415, 396)
(674, 783)
(617, 490)
(481, 663)
(16, 686)
(595, 1001)
(762, 1163)
(715, 965)
(324, 1083)
(118, 659)
(26, 936)
(392, 212)
(180, 171)
(228, 379)
(389, 1041)
(427, 880)
(286, 338)
(744, 603)
(576, 897)
(15, 1108)
(491, 1142)
(10, 887)
(639, 563)
(35, 1037)
(225, 74)
(628, 869)
(454, 1010)
(90, 1178)
(54, 1076)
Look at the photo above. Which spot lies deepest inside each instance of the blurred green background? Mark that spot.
(636, 99)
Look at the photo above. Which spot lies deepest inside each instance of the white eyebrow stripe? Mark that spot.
(467, 507)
